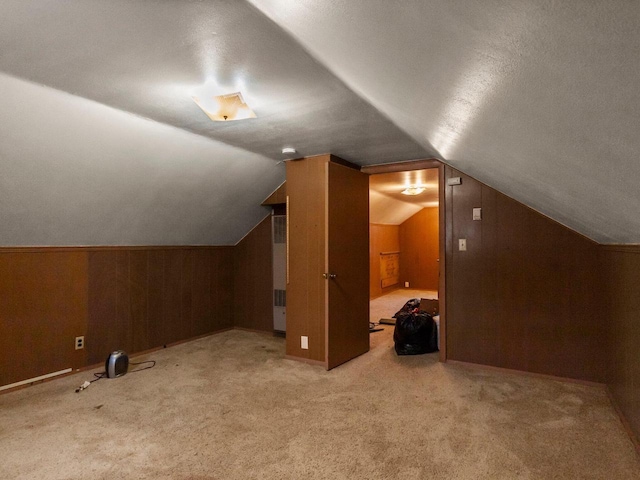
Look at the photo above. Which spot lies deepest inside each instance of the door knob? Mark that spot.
(327, 276)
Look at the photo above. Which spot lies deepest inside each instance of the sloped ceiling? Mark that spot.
(101, 143)
(388, 206)
(536, 98)
(75, 172)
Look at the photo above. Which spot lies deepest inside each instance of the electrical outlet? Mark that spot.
(79, 343)
(406, 284)
(304, 342)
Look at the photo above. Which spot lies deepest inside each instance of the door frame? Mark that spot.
(442, 234)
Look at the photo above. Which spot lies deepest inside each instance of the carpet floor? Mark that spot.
(229, 406)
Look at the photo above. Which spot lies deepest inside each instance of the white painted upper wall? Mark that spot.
(75, 172)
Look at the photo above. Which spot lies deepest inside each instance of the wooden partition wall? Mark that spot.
(419, 247)
(43, 307)
(142, 299)
(328, 261)
(130, 298)
(254, 280)
(527, 294)
(306, 299)
(621, 313)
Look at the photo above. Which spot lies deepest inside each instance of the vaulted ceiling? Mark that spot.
(101, 143)
(389, 206)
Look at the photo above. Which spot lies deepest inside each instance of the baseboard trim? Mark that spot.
(65, 373)
(254, 330)
(31, 381)
(623, 419)
(479, 366)
(173, 344)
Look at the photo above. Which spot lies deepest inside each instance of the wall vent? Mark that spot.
(279, 229)
(279, 298)
(279, 235)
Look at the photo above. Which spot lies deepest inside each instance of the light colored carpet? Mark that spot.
(230, 406)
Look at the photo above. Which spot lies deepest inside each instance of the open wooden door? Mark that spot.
(348, 263)
(328, 261)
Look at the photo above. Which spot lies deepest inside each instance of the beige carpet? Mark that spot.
(230, 406)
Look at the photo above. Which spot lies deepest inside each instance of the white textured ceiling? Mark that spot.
(538, 99)
(87, 174)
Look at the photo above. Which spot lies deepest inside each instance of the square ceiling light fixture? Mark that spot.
(223, 108)
(413, 190)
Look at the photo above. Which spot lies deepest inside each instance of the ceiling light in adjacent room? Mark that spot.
(413, 190)
(221, 108)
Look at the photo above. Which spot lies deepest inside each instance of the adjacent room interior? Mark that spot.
(404, 242)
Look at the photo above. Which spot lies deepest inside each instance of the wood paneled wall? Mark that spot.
(622, 317)
(382, 238)
(419, 246)
(279, 197)
(254, 279)
(133, 299)
(142, 299)
(527, 293)
(43, 307)
(306, 301)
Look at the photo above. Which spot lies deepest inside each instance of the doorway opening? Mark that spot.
(406, 240)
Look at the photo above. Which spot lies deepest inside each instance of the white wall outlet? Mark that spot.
(462, 244)
(477, 214)
(406, 284)
(79, 343)
(304, 342)
(454, 181)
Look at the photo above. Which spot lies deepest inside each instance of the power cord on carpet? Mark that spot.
(153, 362)
(87, 383)
(104, 374)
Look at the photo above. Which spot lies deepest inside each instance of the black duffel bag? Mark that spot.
(415, 333)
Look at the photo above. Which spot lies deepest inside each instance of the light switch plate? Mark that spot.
(477, 214)
(454, 181)
(304, 342)
(462, 244)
